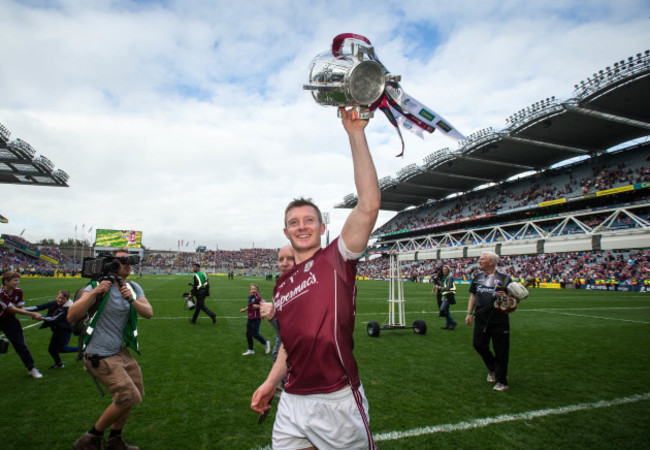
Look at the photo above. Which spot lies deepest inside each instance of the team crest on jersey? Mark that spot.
(308, 266)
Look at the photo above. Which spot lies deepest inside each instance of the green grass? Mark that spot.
(567, 348)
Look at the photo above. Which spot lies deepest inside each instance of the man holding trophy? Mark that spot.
(323, 404)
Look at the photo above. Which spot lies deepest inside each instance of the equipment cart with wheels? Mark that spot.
(396, 314)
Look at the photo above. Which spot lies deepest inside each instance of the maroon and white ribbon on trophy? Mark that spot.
(399, 107)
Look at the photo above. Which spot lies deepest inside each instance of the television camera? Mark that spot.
(105, 267)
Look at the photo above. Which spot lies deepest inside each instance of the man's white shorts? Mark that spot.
(335, 420)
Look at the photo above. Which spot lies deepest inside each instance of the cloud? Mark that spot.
(187, 120)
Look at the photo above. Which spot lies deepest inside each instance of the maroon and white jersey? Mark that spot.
(254, 313)
(315, 303)
(16, 299)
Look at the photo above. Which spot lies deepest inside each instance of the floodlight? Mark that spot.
(4, 133)
(60, 176)
(22, 149)
(44, 164)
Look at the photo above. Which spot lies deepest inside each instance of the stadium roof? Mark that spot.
(607, 109)
(19, 166)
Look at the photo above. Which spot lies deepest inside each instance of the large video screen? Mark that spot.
(118, 238)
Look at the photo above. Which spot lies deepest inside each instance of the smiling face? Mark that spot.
(285, 259)
(61, 298)
(486, 263)
(13, 283)
(304, 229)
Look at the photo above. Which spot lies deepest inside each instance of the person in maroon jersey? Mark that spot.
(254, 321)
(11, 303)
(323, 404)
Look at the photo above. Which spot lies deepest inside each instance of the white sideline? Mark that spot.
(594, 317)
(479, 423)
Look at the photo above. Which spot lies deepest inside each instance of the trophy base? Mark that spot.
(363, 111)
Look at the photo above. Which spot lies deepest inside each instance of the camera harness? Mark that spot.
(130, 334)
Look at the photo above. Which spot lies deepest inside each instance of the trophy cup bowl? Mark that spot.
(346, 80)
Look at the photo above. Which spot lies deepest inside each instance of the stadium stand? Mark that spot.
(561, 193)
(624, 266)
(250, 261)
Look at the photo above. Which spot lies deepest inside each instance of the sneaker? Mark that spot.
(267, 348)
(491, 378)
(452, 326)
(191, 322)
(500, 387)
(88, 441)
(444, 328)
(248, 352)
(35, 373)
(57, 366)
(214, 320)
(117, 443)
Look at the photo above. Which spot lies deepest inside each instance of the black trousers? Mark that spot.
(14, 332)
(59, 344)
(489, 328)
(200, 306)
(253, 331)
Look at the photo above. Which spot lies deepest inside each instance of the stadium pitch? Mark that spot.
(578, 369)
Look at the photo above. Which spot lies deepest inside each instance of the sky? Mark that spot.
(187, 119)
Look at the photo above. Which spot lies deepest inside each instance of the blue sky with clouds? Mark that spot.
(187, 119)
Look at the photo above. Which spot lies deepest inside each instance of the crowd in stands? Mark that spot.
(54, 253)
(623, 266)
(602, 173)
(26, 265)
(262, 258)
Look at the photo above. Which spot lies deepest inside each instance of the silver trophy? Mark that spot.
(348, 75)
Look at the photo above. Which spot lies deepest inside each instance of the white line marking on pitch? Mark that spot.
(595, 317)
(479, 423)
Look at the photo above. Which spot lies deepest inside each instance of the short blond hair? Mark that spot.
(297, 203)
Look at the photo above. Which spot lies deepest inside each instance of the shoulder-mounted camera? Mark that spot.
(105, 267)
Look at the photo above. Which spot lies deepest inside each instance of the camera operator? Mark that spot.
(448, 291)
(201, 290)
(114, 323)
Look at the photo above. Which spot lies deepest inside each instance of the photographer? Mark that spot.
(437, 287)
(448, 294)
(114, 323)
(201, 290)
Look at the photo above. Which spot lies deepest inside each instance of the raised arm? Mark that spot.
(361, 221)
